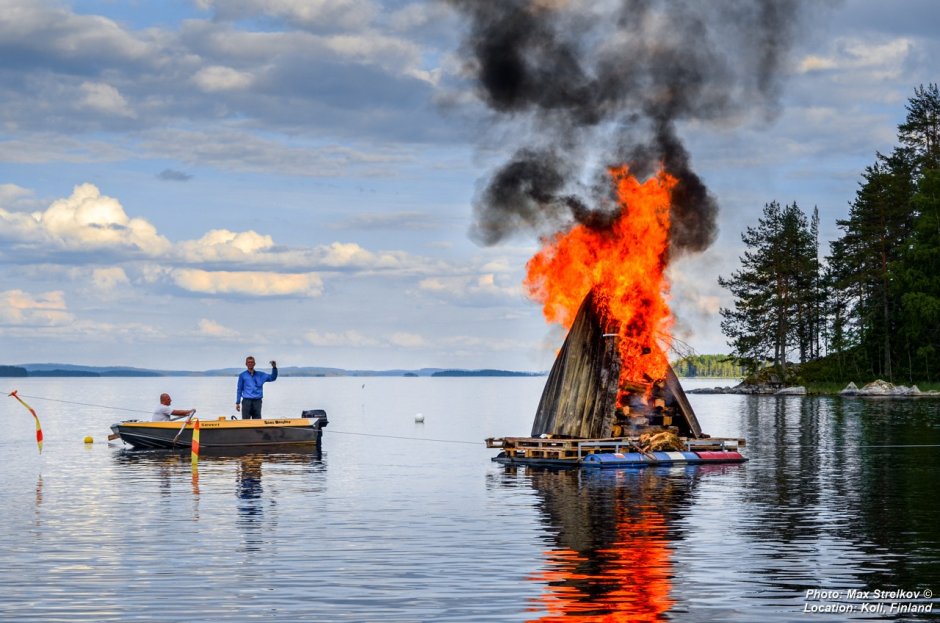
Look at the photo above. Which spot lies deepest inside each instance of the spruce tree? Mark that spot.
(875, 234)
(920, 131)
(919, 282)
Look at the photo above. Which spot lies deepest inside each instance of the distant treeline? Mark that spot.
(8, 371)
(47, 370)
(13, 371)
(483, 373)
(715, 366)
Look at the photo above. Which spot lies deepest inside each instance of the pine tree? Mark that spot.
(771, 305)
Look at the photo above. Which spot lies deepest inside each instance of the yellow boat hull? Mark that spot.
(222, 433)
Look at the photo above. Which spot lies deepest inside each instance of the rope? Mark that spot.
(474, 443)
(86, 404)
(342, 432)
(338, 432)
(847, 448)
(911, 445)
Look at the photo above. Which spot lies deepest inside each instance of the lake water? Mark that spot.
(400, 521)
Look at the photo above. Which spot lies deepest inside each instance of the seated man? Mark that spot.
(163, 413)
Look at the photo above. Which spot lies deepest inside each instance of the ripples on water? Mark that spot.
(383, 529)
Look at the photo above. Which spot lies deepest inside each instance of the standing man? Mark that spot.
(164, 413)
(249, 389)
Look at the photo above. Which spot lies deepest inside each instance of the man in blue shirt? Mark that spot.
(249, 389)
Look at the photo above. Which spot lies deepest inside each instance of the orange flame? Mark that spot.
(624, 265)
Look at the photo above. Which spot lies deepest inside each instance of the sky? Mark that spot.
(185, 182)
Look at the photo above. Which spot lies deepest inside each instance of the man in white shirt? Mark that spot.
(163, 413)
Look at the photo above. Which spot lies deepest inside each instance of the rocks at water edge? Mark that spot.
(875, 388)
(740, 388)
(884, 388)
(748, 389)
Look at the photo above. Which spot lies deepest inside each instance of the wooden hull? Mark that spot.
(221, 433)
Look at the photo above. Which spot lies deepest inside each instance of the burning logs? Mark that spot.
(585, 396)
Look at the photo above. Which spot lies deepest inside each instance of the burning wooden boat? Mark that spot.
(612, 398)
(225, 434)
(592, 415)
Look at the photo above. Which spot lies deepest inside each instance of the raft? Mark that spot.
(612, 452)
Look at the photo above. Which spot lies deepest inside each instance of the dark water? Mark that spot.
(838, 495)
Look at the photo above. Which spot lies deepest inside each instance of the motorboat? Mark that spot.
(223, 433)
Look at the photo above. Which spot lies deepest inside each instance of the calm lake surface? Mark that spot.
(839, 494)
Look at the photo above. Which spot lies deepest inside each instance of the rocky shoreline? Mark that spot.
(875, 388)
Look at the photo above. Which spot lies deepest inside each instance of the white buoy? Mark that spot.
(419, 418)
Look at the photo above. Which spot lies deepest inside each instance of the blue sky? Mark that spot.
(186, 182)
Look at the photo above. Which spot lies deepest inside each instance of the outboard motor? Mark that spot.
(318, 416)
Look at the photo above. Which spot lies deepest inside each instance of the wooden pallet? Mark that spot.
(575, 449)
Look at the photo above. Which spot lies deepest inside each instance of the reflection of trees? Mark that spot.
(898, 502)
(609, 556)
(830, 480)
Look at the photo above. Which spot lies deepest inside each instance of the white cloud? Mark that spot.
(22, 308)
(235, 150)
(311, 13)
(816, 63)
(105, 98)
(350, 339)
(469, 286)
(878, 60)
(108, 279)
(12, 195)
(91, 334)
(404, 339)
(86, 220)
(254, 249)
(70, 36)
(224, 245)
(212, 328)
(49, 147)
(348, 254)
(248, 283)
(218, 78)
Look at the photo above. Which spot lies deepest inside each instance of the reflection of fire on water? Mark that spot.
(628, 581)
(612, 556)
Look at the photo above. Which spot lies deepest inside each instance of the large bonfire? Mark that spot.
(624, 266)
(608, 287)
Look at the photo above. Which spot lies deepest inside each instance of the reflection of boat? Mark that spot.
(225, 434)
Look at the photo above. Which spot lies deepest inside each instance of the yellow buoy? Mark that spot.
(88, 439)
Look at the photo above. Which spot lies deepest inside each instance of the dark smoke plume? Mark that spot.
(612, 78)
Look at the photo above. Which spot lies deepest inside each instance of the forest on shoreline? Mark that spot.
(870, 307)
